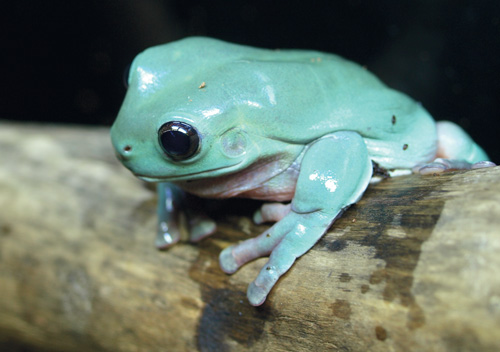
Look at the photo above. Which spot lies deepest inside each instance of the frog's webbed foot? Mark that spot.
(287, 240)
(271, 212)
(171, 201)
(441, 165)
(234, 257)
(334, 173)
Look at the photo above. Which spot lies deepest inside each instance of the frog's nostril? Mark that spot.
(124, 152)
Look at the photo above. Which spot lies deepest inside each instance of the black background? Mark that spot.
(65, 60)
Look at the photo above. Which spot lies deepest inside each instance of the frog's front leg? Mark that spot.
(171, 202)
(334, 174)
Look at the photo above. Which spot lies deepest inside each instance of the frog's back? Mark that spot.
(299, 96)
(308, 94)
(340, 95)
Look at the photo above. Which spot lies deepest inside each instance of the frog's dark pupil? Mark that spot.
(175, 142)
(178, 140)
(126, 74)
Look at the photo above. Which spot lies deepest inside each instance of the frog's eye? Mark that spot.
(126, 74)
(179, 140)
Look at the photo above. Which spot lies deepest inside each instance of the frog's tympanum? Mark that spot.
(221, 120)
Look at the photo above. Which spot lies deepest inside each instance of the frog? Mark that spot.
(300, 130)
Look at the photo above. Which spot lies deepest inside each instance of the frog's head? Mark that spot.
(173, 126)
(178, 147)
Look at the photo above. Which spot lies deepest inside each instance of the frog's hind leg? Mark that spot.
(456, 150)
(455, 144)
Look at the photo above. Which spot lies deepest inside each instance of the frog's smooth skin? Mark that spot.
(222, 120)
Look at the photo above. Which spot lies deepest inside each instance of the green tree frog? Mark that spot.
(222, 120)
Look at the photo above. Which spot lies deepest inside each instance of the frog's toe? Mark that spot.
(271, 212)
(431, 168)
(256, 295)
(227, 261)
(265, 281)
(483, 164)
(166, 237)
(201, 227)
(233, 257)
(441, 165)
(258, 218)
(278, 264)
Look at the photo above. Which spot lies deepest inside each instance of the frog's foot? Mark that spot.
(483, 164)
(271, 212)
(233, 257)
(441, 165)
(306, 230)
(285, 241)
(200, 226)
(167, 235)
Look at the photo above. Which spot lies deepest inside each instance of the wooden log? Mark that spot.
(413, 266)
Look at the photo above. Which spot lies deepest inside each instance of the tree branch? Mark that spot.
(413, 266)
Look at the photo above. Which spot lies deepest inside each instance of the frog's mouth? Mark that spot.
(189, 176)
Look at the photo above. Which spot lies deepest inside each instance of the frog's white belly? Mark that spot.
(265, 181)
